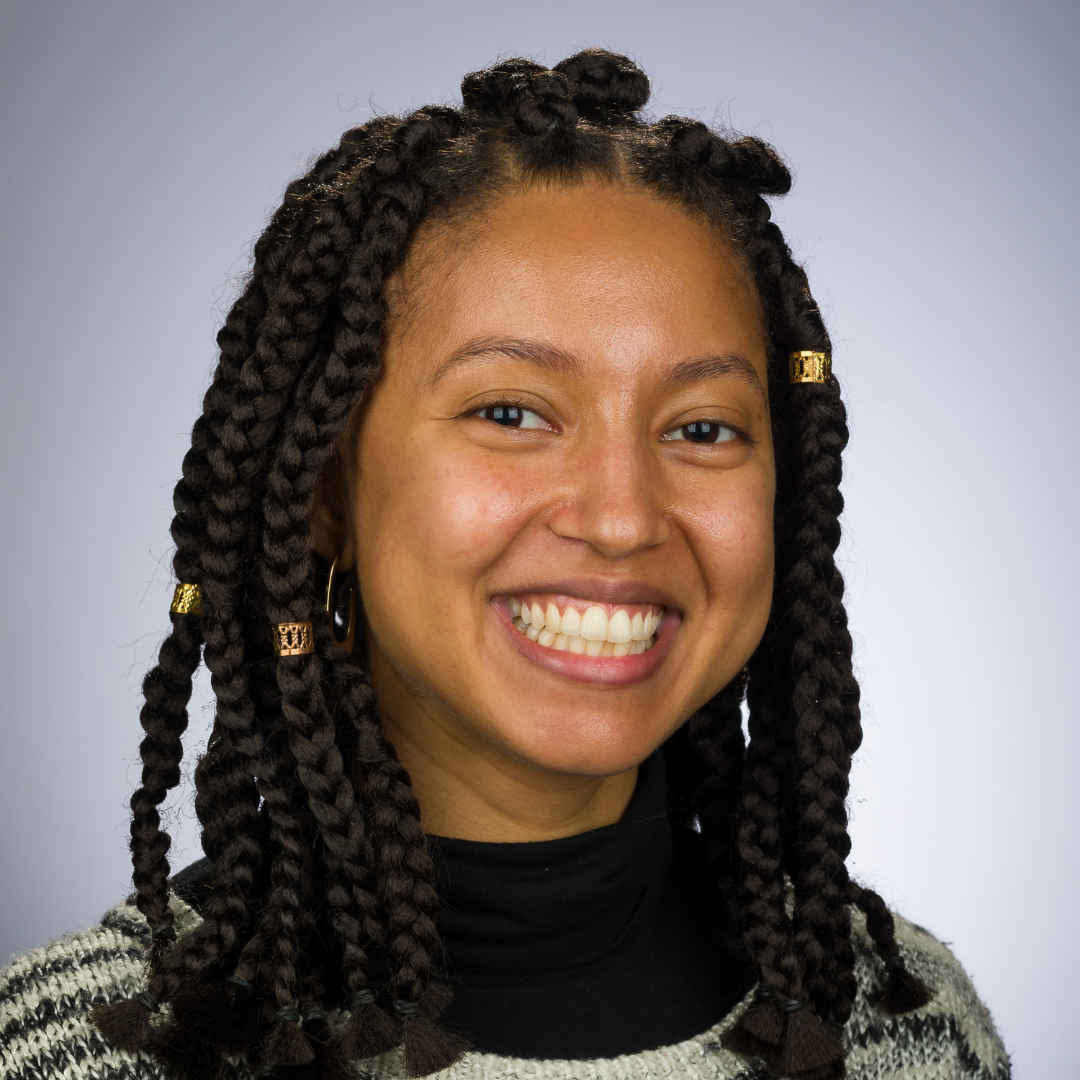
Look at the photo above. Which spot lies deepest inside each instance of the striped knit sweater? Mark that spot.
(46, 996)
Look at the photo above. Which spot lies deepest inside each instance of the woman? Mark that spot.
(517, 475)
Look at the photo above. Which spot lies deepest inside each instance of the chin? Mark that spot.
(585, 745)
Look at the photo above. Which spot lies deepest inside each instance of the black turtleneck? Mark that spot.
(600, 944)
(610, 942)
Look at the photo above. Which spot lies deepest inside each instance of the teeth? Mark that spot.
(592, 634)
(594, 624)
(571, 622)
(619, 627)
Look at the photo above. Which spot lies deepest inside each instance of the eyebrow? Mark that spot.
(726, 365)
(540, 353)
(547, 356)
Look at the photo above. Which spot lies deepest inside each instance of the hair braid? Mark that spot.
(167, 691)
(716, 737)
(164, 717)
(276, 949)
(760, 835)
(823, 697)
(903, 991)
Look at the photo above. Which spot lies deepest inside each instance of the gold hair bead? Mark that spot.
(293, 639)
(807, 366)
(187, 600)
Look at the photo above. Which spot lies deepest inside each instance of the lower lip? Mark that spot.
(602, 670)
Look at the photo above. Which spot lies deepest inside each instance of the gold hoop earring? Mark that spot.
(350, 632)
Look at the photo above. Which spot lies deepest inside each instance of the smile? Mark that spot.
(582, 627)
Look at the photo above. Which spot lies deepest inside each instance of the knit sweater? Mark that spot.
(46, 996)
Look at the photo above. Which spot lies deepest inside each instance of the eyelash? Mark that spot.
(719, 425)
(508, 405)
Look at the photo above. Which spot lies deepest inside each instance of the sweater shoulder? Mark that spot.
(47, 993)
(46, 996)
(954, 1035)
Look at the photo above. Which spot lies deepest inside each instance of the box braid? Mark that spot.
(322, 893)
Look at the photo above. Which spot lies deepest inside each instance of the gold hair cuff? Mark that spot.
(807, 366)
(187, 600)
(293, 639)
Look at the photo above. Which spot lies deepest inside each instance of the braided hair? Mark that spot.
(322, 896)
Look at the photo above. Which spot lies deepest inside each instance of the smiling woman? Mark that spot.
(517, 477)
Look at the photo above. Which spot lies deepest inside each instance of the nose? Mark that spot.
(614, 498)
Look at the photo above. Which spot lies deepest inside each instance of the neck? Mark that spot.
(470, 789)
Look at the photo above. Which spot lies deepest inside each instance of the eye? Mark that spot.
(511, 416)
(701, 431)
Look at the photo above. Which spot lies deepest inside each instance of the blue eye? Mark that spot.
(701, 431)
(511, 416)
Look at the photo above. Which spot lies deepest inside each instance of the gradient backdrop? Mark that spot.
(935, 150)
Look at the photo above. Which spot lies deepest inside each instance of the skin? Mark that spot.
(445, 513)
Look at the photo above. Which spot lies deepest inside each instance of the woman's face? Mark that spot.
(572, 424)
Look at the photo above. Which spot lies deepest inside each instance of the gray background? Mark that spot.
(936, 157)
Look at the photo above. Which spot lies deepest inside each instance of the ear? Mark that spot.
(331, 524)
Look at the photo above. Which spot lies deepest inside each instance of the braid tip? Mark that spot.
(287, 1045)
(756, 1033)
(809, 1050)
(123, 1023)
(429, 1047)
(794, 1042)
(369, 1031)
(904, 992)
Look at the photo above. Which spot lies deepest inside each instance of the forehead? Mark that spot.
(599, 269)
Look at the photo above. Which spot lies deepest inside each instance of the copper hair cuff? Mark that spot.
(807, 366)
(293, 638)
(187, 600)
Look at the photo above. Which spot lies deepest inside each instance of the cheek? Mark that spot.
(732, 536)
(431, 519)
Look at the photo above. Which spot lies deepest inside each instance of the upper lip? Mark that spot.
(605, 589)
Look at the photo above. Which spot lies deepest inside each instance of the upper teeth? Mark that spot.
(593, 631)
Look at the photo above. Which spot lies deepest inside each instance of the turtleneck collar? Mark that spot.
(605, 943)
(512, 911)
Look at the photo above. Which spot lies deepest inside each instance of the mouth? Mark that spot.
(585, 627)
